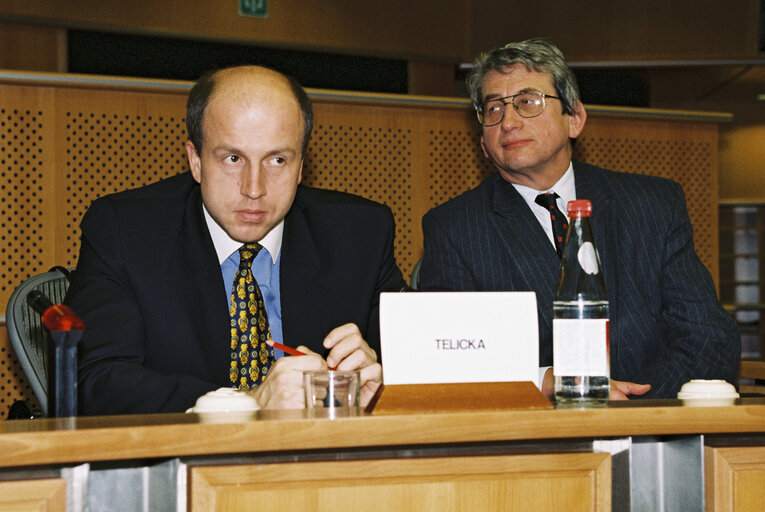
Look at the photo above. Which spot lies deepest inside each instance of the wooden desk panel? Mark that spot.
(45, 495)
(515, 454)
(735, 478)
(571, 482)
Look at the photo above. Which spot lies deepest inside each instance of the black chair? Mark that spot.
(29, 338)
(415, 274)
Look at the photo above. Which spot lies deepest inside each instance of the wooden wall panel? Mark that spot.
(367, 150)
(686, 153)
(27, 171)
(32, 47)
(403, 156)
(66, 140)
(111, 141)
(435, 30)
(13, 383)
(624, 30)
(742, 153)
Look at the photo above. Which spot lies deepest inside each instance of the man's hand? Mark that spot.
(619, 390)
(283, 387)
(349, 351)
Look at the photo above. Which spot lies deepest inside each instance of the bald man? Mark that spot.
(158, 267)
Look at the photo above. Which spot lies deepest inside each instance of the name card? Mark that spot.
(456, 337)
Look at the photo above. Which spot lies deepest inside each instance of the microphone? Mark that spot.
(38, 301)
(66, 330)
(56, 317)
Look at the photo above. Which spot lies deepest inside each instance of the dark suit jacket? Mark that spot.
(149, 288)
(667, 325)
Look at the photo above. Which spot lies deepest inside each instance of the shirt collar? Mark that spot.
(565, 188)
(225, 246)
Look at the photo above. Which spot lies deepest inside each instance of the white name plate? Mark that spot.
(442, 337)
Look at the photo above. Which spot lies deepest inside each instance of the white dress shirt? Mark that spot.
(566, 190)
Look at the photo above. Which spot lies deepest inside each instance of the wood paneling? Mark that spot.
(753, 369)
(686, 153)
(431, 78)
(742, 154)
(451, 31)
(734, 478)
(733, 89)
(32, 47)
(13, 383)
(430, 28)
(571, 482)
(362, 451)
(27, 157)
(624, 30)
(33, 496)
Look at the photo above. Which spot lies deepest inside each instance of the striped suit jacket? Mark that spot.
(667, 325)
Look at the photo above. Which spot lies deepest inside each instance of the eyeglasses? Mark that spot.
(527, 104)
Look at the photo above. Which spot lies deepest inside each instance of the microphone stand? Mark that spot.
(65, 329)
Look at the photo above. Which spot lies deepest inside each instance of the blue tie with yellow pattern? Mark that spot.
(251, 357)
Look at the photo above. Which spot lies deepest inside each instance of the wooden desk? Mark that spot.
(501, 460)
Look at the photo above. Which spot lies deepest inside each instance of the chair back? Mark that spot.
(414, 278)
(27, 335)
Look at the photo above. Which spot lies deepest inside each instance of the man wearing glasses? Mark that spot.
(666, 324)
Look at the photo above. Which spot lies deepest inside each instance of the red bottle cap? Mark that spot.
(579, 208)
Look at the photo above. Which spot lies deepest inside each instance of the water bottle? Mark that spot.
(580, 317)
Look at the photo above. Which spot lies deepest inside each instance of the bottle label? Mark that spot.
(588, 258)
(580, 347)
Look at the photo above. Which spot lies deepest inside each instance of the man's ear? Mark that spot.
(195, 163)
(576, 120)
(483, 148)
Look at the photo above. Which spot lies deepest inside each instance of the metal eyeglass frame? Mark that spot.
(511, 100)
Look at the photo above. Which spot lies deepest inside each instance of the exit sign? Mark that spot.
(256, 8)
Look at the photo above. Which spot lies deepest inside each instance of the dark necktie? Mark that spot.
(251, 357)
(559, 222)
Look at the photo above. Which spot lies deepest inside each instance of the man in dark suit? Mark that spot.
(158, 265)
(666, 324)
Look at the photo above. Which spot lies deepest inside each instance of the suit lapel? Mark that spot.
(603, 217)
(526, 244)
(603, 224)
(200, 290)
(305, 295)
